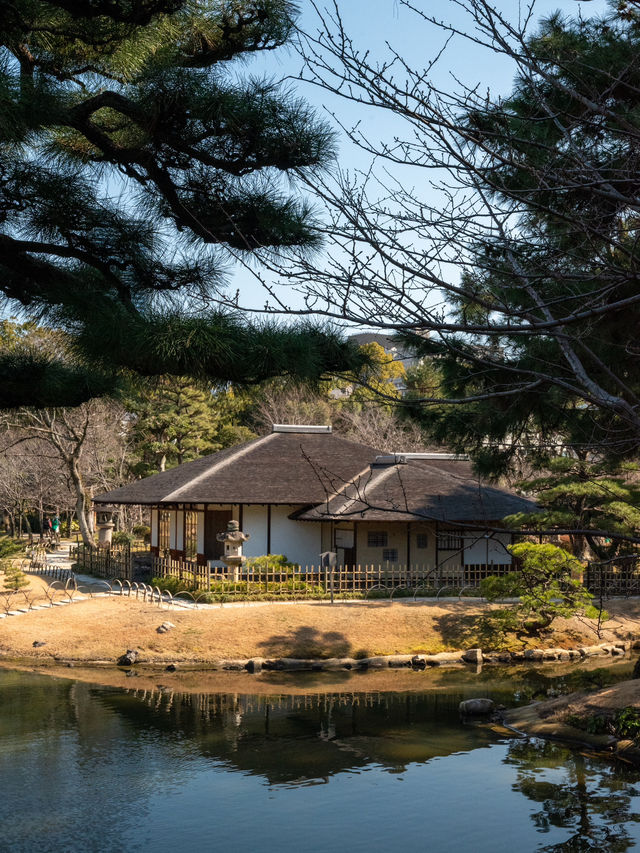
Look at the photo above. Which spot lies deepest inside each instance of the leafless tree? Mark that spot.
(290, 403)
(31, 482)
(364, 422)
(450, 248)
(86, 442)
(380, 427)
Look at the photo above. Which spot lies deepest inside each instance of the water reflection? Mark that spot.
(308, 738)
(570, 791)
(87, 768)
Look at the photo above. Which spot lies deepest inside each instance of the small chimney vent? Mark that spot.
(304, 428)
(403, 458)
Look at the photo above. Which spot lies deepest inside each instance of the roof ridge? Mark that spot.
(330, 496)
(476, 482)
(458, 477)
(374, 480)
(219, 465)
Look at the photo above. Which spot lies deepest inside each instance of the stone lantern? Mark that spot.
(233, 539)
(105, 524)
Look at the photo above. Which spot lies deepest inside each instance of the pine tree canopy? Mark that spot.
(173, 420)
(575, 494)
(133, 160)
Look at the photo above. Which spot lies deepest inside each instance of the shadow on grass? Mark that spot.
(307, 642)
(460, 631)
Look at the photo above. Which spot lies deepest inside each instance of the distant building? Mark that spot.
(394, 349)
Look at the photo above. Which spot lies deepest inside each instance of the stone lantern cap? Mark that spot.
(105, 512)
(233, 535)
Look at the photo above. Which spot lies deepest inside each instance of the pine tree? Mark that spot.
(175, 421)
(579, 495)
(132, 161)
(14, 578)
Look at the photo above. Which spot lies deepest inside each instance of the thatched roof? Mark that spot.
(331, 477)
(442, 489)
(281, 468)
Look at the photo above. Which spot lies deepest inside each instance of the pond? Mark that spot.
(91, 768)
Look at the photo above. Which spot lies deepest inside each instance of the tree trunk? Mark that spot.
(27, 525)
(82, 504)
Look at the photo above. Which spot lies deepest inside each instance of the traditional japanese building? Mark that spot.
(303, 490)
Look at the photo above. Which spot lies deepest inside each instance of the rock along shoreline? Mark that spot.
(473, 657)
(464, 658)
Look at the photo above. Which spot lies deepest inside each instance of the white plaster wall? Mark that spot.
(254, 522)
(200, 533)
(179, 530)
(154, 527)
(475, 552)
(327, 536)
(300, 541)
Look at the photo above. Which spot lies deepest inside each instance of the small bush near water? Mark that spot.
(625, 723)
(14, 578)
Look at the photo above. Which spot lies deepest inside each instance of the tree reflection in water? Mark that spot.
(204, 763)
(591, 799)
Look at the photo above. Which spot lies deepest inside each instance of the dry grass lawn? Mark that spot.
(103, 628)
(553, 718)
(609, 699)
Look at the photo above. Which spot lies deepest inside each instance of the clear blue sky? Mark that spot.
(372, 23)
